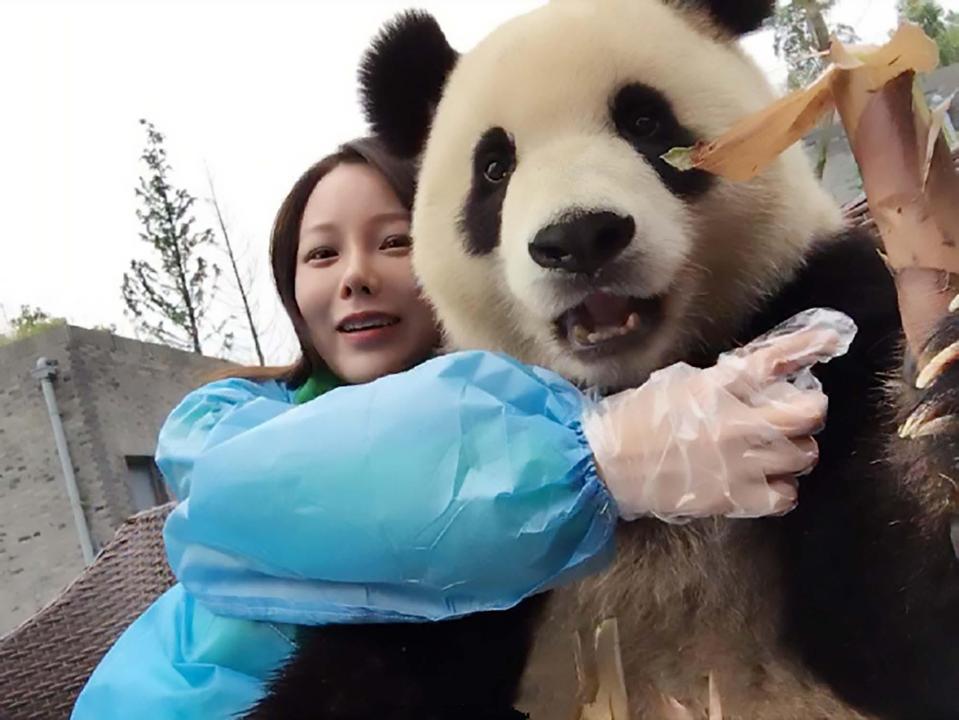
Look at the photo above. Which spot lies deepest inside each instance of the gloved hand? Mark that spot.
(726, 440)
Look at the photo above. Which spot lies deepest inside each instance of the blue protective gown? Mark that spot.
(462, 485)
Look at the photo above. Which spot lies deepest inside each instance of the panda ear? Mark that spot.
(402, 75)
(737, 16)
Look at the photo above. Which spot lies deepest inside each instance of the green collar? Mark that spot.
(318, 383)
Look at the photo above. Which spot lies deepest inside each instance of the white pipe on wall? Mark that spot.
(45, 372)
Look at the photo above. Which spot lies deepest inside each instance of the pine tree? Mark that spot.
(169, 301)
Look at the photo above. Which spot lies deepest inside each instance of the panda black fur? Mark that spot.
(546, 135)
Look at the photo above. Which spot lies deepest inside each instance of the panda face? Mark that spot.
(547, 226)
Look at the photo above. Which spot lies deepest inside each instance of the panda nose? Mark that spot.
(583, 243)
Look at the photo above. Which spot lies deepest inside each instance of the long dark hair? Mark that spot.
(285, 238)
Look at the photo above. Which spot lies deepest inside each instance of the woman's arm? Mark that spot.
(209, 416)
(179, 661)
(464, 484)
(468, 483)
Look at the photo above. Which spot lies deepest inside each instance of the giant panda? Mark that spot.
(544, 218)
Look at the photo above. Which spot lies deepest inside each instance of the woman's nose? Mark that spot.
(360, 278)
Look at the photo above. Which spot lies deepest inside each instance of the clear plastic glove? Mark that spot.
(726, 440)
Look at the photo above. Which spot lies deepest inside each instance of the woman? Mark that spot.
(371, 482)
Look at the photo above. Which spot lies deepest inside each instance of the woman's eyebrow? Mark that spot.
(391, 216)
(319, 227)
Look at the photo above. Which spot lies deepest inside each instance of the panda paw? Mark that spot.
(934, 401)
(932, 415)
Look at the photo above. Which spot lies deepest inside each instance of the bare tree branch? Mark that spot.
(241, 286)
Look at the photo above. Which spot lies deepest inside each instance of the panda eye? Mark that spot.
(643, 126)
(496, 170)
(494, 158)
(643, 116)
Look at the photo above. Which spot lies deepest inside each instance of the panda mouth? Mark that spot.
(604, 322)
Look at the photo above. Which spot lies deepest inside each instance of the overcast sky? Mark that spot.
(253, 90)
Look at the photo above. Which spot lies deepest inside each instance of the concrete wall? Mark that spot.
(113, 394)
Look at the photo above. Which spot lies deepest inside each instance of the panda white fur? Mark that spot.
(547, 79)
(544, 218)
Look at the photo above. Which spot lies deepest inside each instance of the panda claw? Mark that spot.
(675, 710)
(937, 365)
(917, 418)
(919, 426)
(954, 303)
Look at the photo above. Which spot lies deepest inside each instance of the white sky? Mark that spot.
(255, 90)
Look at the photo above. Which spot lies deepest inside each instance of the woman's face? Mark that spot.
(354, 279)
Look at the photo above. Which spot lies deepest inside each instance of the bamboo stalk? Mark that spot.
(910, 182)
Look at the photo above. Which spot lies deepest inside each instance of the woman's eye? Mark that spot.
(397, 241)
(320, 253)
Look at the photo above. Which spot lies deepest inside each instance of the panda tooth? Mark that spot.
(586, 337)
(603, 334)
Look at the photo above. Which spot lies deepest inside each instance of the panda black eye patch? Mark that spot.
(644, 118)
(494, 159)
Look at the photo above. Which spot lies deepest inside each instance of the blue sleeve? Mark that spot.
(178, 661)
(208, 417)
(462, 485)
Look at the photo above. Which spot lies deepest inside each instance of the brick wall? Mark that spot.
(113, 395)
